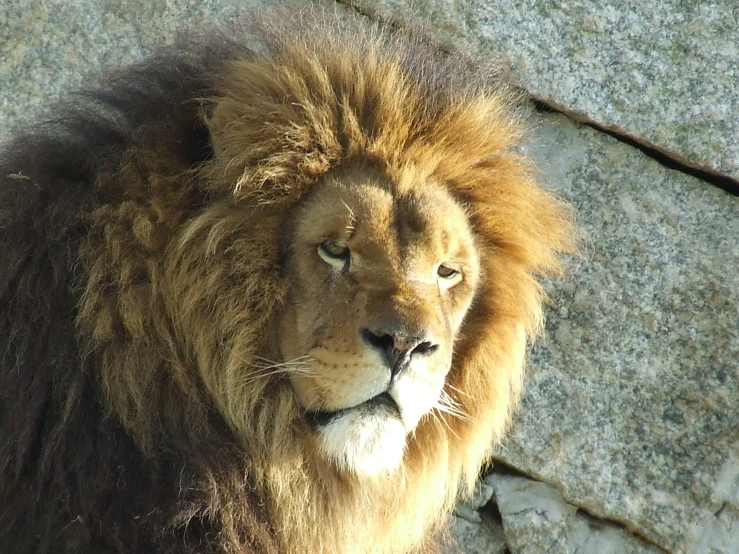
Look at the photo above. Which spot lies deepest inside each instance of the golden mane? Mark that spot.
(182, 283)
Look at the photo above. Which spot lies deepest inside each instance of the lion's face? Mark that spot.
(381, 282)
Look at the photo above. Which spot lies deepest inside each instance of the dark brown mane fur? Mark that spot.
(71, 479)
(109, 441)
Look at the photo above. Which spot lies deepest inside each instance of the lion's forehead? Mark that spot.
(407, 232)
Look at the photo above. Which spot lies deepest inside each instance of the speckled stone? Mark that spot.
(474, 531)
(536, 519)
(666, 73)
(632, 404)
(467, 508)
(484, 537)
(49, 47)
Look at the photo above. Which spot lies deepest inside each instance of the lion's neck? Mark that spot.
(316, 509)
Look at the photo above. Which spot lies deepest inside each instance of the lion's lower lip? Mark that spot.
(322, 418)
(385, 400)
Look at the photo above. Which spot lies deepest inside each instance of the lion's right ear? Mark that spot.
(273, 159)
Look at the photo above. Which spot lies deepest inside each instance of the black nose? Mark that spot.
(398, 347)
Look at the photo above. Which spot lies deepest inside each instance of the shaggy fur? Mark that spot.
(143, 241)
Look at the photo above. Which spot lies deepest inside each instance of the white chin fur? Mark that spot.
(365, 444)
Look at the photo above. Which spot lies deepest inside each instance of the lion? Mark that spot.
(266, 301)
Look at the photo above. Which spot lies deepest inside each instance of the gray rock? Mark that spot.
(467, 507)
(666, 73)
(632, 404)
(48, 47)
(485, 537)
(536, 519)
(721, 532)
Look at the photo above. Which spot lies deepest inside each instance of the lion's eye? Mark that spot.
(334, 252)
(448, 276)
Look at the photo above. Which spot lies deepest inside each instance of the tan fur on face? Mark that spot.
(396, 245)
(332, 134)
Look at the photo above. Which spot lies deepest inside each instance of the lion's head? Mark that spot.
(348, 281)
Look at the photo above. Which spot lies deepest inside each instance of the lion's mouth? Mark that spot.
(384, 401)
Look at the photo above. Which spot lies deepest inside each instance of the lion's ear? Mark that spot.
(276, 159)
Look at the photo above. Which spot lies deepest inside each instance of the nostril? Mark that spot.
(398, 348)
(382, 342)
(425, 348)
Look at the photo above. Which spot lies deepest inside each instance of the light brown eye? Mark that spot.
(334, 252)
(448, 276)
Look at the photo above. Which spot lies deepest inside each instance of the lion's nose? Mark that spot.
(398, 347)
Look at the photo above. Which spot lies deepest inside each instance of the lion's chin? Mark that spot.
(363, 443)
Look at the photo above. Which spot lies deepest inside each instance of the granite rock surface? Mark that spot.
(665, 73)
(485, 536)
(536, 519)
(632, 403)
(50, 47)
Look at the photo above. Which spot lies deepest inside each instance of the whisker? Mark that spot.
(449, 405)
(319, 403)
(451, 411)
(458, 391)
(443, 422)
(262, 359)
(264, 363)
(279, 371)
(268, 368)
